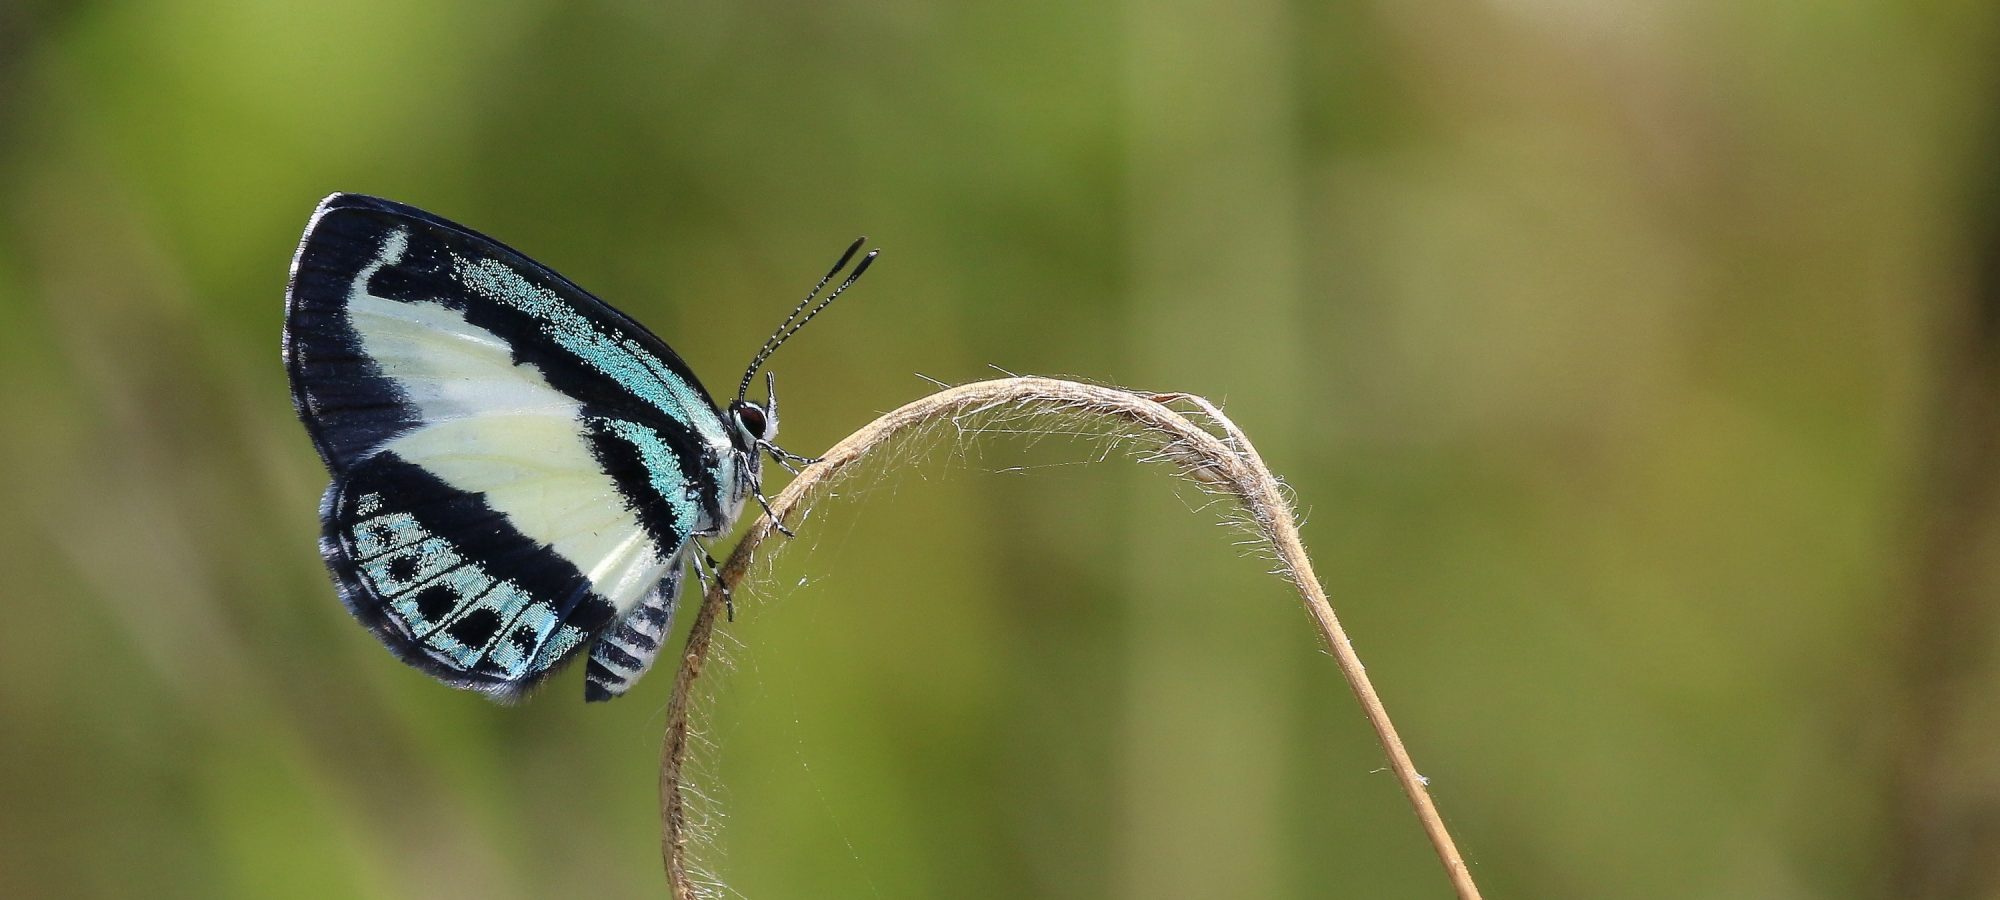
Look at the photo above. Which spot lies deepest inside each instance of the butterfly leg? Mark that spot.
(757, 490)
(786, 457)
(710, 573)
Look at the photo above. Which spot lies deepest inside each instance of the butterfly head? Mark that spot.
(756, 424)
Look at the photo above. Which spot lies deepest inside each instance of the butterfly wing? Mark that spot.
(517, 467)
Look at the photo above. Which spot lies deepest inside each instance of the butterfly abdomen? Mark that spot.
(628, 649)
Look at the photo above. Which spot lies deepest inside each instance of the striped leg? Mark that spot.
(624, 651)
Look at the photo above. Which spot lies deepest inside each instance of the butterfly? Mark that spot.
(519, 471)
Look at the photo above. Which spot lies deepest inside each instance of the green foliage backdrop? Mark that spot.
(1626, 358)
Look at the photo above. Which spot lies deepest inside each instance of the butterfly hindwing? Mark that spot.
(447, 584)
(517, 466)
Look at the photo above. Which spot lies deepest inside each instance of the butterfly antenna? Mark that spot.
(845, 258)
(793, 322)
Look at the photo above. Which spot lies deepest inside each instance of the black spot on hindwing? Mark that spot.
(485, 607)
(475, 628)
(436, 601)
(403, 568)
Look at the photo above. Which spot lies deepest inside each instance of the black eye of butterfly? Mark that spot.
(753, 420)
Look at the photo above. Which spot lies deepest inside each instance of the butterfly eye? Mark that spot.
(753, 420)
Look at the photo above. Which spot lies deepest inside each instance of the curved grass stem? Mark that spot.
(1222, 460)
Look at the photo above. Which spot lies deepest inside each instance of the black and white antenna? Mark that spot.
(794, 321)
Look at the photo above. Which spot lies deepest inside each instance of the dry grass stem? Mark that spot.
(1221, 460)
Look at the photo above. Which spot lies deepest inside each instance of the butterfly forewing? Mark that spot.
(517, 467)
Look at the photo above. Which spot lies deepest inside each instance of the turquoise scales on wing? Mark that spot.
(519, 470)
(429, 565)
(624, 360)
(663, 469)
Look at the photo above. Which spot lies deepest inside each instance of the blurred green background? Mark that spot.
(1635, 364)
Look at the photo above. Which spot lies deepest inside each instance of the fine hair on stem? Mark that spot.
(1182, 430)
